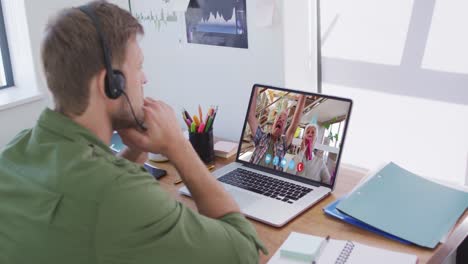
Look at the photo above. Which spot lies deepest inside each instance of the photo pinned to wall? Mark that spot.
(217, 22)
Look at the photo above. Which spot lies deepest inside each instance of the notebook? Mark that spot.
(225, 149)
(406, 205)
(346, 252)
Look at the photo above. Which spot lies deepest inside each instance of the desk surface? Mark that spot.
(315, 222)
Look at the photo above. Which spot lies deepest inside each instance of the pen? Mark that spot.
(192, 127)
(196, 120)
(321, 248)
(178, 180)
(187, 121)
(188, 115)
(208, 125)
(201, 128)
(208, 115)
(209, 167)
(215, 112)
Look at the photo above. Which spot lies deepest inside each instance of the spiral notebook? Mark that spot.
(348, 252)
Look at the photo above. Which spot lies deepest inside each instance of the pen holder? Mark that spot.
(203, 145)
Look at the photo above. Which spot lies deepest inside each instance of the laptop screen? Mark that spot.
(295, 133)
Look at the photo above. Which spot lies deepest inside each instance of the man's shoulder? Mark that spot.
(65, 166)
(95, 165)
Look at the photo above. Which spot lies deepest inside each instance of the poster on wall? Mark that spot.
(217, 22)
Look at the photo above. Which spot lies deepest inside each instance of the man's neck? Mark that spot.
(97, 124)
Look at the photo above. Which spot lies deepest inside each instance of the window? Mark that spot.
(334, 134)
(6, 75)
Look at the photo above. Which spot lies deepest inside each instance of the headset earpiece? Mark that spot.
(119, 79)
(117, 87)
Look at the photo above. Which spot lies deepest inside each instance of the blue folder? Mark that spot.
(331, 210)
(406, 205)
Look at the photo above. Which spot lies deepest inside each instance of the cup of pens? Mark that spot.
(201, 132)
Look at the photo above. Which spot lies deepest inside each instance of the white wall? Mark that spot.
(25, 116)
(185, 75)
(404, 63)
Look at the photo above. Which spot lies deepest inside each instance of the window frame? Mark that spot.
(5, 51)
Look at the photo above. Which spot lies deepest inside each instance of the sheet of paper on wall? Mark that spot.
(265, 11)
(179, 5)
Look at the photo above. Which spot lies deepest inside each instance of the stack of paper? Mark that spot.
(225, 149)
(300, 247)
(404, 206)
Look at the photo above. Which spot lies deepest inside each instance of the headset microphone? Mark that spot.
(139, 123)
(115, 79)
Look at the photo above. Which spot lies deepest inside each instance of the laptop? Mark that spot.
(289, 153)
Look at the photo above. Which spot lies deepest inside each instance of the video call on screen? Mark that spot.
(295, 133)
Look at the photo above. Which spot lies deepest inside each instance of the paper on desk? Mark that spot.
(265, 11)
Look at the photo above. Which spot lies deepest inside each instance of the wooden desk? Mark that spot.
(315, 222)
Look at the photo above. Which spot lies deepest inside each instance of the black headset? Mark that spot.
(115, 79)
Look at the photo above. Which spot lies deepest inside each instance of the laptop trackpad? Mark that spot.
(243, 199)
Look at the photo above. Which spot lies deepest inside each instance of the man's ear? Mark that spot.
(100, 81)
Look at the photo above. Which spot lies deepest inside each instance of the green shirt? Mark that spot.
(65, 198)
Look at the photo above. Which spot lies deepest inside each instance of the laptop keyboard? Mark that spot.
(267, 186)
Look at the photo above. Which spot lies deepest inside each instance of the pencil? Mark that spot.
(200, 112)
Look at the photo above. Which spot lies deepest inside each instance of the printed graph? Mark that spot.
(217, 22)
(159, 13)
(158, 20)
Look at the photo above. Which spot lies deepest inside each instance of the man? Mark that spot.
(275, 143)
(67, 199)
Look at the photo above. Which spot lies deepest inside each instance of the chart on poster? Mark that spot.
(220, 23)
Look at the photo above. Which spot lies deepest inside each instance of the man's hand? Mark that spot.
(163, 134)
(134, 155)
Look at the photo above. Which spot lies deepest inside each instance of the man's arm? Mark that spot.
(296, 119)
(251, 119)
(139, 222)
(203, 187)
(164, 136)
